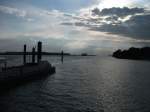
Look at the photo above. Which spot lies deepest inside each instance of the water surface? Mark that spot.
(84, 84)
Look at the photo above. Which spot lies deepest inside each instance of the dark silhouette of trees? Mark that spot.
(133, 53)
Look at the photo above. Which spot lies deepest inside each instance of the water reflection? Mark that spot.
(94, 84)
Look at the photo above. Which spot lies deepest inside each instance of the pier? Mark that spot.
(28, 70)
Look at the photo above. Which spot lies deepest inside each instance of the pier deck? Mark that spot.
(25, 72)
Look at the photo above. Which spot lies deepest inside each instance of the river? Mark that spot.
(84, 84)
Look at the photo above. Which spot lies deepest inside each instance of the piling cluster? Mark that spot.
(34, 53)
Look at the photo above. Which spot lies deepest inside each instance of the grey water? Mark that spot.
(84, 84)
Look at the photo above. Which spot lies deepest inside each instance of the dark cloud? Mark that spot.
(137, 27)
(117, 11)
(112, 18)
(96, 11)
(67, 23)
(82, 24)
(76, 24)
(128, 22)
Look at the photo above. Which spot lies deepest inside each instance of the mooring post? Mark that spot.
(39, 50)
(33, 55)
(62, 56)
(24, 54)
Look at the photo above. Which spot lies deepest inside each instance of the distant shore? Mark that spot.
(133, 53)
(30, 53)
(45, 53)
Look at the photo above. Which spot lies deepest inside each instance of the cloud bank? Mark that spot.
(127, 22)
(121, 12)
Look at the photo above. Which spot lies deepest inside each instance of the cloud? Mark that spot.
(38, 22)
(126, 22)
(137, 27)
(76, 31)
(66, 23)
(32, 13)
(121, 12)
(15, 11)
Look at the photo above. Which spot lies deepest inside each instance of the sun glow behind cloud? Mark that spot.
(123, 3)
(114, 3)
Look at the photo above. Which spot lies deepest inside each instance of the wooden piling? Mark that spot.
(39, 57)
(33, 55)
(24, 54)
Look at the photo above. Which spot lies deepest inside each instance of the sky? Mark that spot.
(74, 25)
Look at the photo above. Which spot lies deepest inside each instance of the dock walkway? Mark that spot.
(28, 71)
